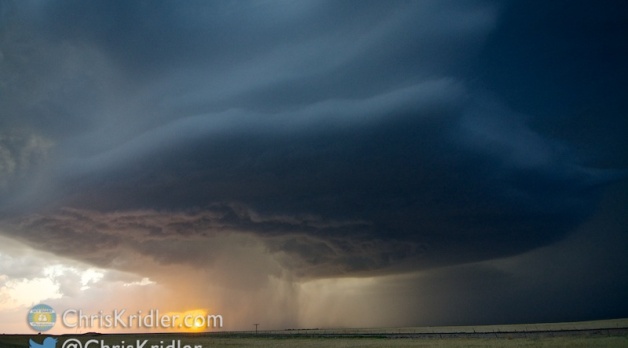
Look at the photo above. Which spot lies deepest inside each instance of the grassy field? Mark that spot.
(609, 333)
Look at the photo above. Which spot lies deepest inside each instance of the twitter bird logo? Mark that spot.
(49, 342)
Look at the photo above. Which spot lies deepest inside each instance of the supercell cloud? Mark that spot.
(288, 152)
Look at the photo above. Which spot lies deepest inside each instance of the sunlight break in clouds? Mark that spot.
(29, 277)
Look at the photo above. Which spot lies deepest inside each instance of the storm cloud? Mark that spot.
(295, 143)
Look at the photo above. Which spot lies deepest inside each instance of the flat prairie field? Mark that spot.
(606, 333)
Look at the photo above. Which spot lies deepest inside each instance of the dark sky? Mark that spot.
(445, 162)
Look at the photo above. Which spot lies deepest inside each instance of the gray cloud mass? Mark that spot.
(329, 139)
